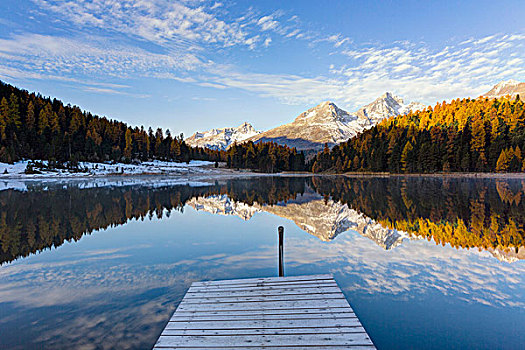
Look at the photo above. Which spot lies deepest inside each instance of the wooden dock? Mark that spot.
(300, 312)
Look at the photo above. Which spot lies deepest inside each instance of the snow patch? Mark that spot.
(17, 170)
(221, 139)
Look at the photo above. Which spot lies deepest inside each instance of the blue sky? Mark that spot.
(194, 65)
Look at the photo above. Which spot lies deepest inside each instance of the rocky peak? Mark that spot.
(391, 98)
(220, 139)
(324, 112)
(508, 87)
(385, 106)
(246, 128)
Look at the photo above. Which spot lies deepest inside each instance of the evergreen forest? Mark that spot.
(464, 135)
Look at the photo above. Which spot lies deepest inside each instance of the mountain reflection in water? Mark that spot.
(118, 287)
(486, 214)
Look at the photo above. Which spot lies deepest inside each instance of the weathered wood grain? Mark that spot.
(270, 313)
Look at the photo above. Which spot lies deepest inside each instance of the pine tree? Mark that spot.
(14, 113)
(30, 117)
(405, 157)
(43, 118)
(503, 162)
(175, 148)
(129, 145)
(4, 117)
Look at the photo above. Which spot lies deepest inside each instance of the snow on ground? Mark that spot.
(151, 174)
(97, 182)
(17, 170)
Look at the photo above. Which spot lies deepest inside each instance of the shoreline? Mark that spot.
(442, 175)
(197, 170)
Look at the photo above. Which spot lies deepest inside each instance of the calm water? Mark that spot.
(99, 268)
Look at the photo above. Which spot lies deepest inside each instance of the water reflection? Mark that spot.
(483, 213)
(118, 286)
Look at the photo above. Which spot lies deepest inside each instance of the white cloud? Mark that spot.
(163, 22)
(177, 25)
(414, 71)
(216, 5)
(56, 58)
(267, 23)
(186, 34)
(113, 92)
(337, 40)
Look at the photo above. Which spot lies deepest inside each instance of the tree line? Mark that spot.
(41, 218)
(467, 135)
(37, 127)
(268, 157)
(465, 213)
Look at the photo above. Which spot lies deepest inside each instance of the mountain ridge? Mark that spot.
(326, 123)
(506, 87)
(323, 124)
(220, 139)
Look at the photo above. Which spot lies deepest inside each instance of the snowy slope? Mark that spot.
(324, 220)
(327, 123)
(509, 87)
(387, 105)
(220, 139)
(17, 170)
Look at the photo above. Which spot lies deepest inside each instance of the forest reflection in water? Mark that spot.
(486, 214)
(115, 260)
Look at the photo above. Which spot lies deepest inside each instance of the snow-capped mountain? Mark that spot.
(327, 123)
(387, 105)
(504, 88)
(220, 139)
(326, 220)
(310, 212)
(223, 205)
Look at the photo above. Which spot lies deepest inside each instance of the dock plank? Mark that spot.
(264, 287)
(266, 331)
(266, 280)
(257, 292)
(267, 340)
(262, 323)
(271, 313)
(219, 318)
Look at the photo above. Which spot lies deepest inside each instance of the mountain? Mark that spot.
(326, 220)
(327, 123)
(220, 139)
(310, 212)
(387, 105)
(504, 88)
(223, 205)
(444, 138)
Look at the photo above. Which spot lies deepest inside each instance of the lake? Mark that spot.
(426, 263)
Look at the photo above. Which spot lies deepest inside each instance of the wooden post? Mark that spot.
(281, 251)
